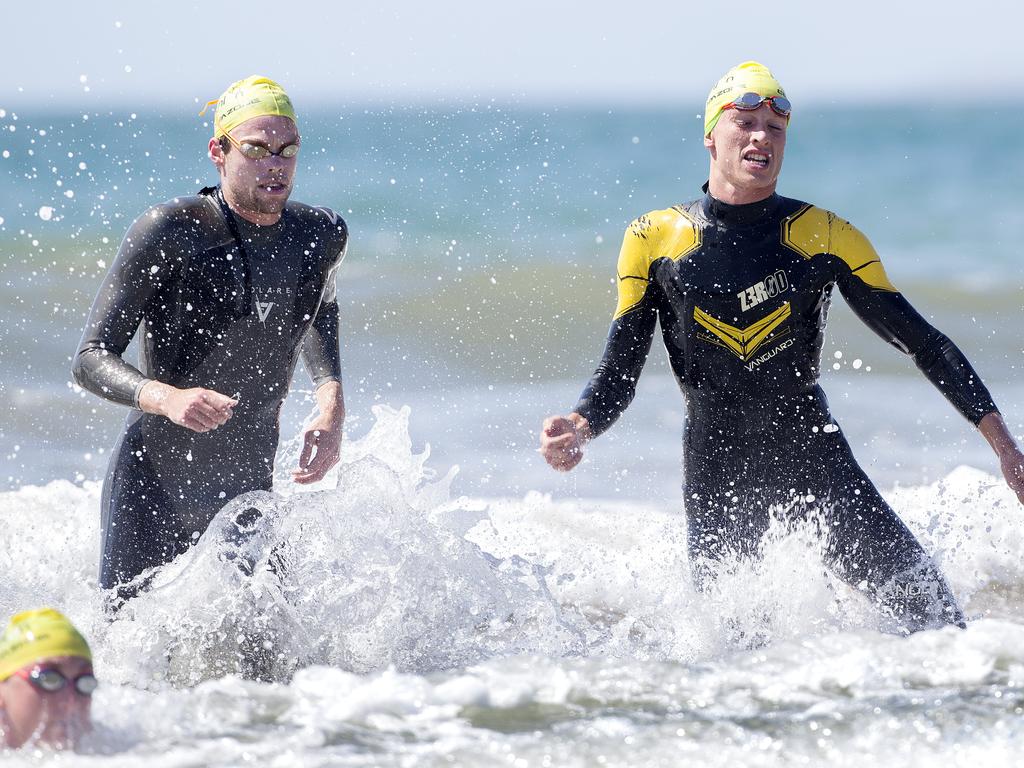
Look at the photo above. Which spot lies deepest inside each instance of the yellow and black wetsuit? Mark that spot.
(742, 293)
(223, 304)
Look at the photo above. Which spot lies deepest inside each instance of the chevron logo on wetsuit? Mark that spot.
(263, 310)
(743, 342)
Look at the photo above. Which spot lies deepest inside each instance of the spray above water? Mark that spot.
(367, 572)
(378, 567)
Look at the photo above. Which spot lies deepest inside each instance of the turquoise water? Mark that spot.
(483, 246)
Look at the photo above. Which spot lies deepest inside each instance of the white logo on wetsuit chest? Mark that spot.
(263, 310)
(263, 307)
(771, 286)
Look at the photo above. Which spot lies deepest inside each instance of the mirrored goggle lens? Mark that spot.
(255, 152)
(749, 101)
(50, 680)
(86, 684)
(781, 105)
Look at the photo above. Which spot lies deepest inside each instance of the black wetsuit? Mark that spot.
(742, 293)
(225, 305)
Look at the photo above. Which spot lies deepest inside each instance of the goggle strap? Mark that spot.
(208, 105)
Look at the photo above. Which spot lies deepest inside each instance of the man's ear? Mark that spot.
(216, 154)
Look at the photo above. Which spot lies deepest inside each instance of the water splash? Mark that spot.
(378, 567)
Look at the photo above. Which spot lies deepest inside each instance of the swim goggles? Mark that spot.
(257, 152)
(50, 680)
(750, 101)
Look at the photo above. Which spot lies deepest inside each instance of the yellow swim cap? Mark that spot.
(748, 77)
(255, 96)
(35, 635)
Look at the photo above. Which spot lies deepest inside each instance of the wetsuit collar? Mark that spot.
(737, 215)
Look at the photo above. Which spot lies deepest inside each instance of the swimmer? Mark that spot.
(740, 282)
(227, 289)
(46, 681)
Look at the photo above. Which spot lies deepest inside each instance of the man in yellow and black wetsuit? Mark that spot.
(741, 281)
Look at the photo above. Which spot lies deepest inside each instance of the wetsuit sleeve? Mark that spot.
(321, 353)
(141, 268)
(610, 390)
(866, 288)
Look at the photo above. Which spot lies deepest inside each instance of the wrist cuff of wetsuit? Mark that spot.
(321, 382)
(137, 392)
(979, 414)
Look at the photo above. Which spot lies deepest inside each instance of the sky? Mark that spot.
(528, 51)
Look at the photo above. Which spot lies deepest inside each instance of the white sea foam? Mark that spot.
(404, 626)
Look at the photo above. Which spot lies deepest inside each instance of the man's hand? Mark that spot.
(1011, 459)
(321, 446)
(562, 439)
(1012, 464)
(197, 409)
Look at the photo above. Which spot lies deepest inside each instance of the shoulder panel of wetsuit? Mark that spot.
(669, 233)
(329, 226)
(165, 234)
(192, 211)
(325, 223)
(813, 231)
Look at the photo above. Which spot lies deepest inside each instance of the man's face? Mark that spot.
(746, 149)
(58, 719)
(261, 186)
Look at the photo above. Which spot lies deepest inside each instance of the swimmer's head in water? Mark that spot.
(40, 634)
(748, 77)
(46, 681)
(255, 96)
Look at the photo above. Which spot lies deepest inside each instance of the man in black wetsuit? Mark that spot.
(740, 281)
(230, 286)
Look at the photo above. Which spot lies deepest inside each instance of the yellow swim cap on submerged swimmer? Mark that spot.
(255, 96)
(35, 635)
(748, 77)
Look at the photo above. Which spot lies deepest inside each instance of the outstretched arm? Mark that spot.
(322, 439)
(321, 354)
(611, 388)
(1011, 460)
(891, 316)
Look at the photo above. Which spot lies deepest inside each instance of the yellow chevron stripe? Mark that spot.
(742, 342)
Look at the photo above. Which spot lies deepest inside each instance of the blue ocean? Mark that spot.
(458, 602)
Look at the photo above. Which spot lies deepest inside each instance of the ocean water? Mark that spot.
(443, 598)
